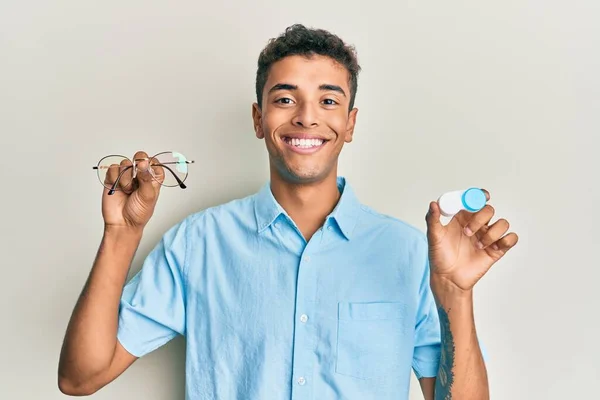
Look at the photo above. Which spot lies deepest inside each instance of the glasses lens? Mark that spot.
(115, 168)
(169, 168)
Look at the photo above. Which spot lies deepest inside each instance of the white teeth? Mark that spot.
(305, 143)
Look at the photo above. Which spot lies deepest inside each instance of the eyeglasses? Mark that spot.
(117, 172)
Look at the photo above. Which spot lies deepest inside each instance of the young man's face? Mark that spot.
(304, 118)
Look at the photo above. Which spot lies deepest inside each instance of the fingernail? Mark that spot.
(480, 245)
(468, 231)
(495, 246)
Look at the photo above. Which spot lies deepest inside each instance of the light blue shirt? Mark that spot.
(266, 315)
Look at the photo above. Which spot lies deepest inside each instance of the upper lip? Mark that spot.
(299, 135)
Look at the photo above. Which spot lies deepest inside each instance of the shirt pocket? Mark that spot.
(372, 340)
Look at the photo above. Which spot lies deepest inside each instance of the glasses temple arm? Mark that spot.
(179, 181)
(114, 186)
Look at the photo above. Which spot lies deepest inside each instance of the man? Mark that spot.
(298, 291)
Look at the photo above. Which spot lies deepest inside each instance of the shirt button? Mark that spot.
(307, 258)
(303, 318)
(330, 227)
(301, 381)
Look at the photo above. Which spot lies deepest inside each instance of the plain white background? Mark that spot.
(502, 95)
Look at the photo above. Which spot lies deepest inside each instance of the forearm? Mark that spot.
(462, 373)
(91, 335)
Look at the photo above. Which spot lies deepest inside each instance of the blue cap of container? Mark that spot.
(474, 199)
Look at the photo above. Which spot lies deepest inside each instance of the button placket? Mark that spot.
(304, 332)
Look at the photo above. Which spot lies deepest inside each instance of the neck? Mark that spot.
(308, 204)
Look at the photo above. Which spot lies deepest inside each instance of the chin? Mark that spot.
(300, 171)
(304, 175)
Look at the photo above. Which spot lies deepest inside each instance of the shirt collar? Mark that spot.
(345, 213)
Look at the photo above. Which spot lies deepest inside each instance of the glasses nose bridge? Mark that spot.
(135, 164)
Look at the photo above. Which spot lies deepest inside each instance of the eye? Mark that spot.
(284, 100)
(330, 102)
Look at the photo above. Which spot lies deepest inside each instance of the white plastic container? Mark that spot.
(471, 200)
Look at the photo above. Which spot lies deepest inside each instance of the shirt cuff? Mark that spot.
(137, 344)
(426, 361)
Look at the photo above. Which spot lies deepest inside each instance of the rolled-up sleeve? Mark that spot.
(152, 305)
(426, 356)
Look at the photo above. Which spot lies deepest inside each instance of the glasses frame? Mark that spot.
(133, 165)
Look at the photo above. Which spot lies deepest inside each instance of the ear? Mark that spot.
(257, 121)
(350, 125)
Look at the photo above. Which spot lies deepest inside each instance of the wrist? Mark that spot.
(122, 229)
(123, 232)
(447, 292)
(118, 246)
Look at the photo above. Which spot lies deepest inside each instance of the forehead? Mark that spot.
(308, 72)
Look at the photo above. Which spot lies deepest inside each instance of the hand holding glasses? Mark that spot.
(134, 185)
(116, 172)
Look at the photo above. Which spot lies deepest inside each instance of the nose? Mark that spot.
(306, 117)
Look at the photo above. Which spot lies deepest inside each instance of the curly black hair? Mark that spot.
(300, 40)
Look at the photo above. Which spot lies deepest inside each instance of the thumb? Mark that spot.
(434, 225)
(147, 185)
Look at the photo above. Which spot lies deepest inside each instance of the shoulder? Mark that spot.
(234, 213)
(210, 226)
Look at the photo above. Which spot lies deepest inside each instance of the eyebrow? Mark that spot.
(324, 87)
(333, 88)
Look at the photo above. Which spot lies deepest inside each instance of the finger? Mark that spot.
(464, 217)
(141, 165)
(505, 243)
(141, 160)
(126, 176)
(493, 233)
(146, 187)
(478, 219)
(112, 174)
(434, 225)
(157, 171)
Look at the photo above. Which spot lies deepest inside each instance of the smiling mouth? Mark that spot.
(304, 143)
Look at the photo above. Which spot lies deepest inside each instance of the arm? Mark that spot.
(460, 254)
(428, 388)
(91, 356)
(462, 373)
